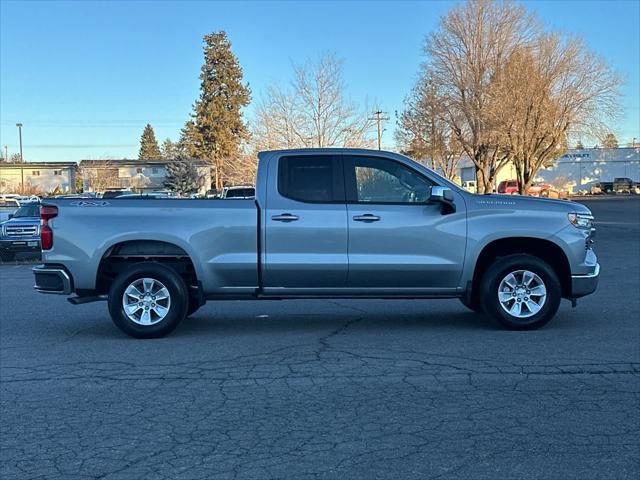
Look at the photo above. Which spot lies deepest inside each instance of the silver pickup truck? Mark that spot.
(324, 223)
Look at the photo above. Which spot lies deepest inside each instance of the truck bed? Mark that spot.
(220, 233)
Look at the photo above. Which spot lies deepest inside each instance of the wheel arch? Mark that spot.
(116, 257)
(545, 249)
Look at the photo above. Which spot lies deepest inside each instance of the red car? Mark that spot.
(508, 187)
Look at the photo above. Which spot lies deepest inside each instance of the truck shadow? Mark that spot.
(291, 324)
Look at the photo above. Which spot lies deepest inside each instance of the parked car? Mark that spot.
(625, 185)
(117, 193)
(543, 190)
(589, 188)
(5, 196)
(145, 195)
(508, 187)
(470, 186)
(324, 223)
(22, 199)
(238, 192)
(620, 185)
(21, 232)
(163, 193)
(76, 195)
(8, 206)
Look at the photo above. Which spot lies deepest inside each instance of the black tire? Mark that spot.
(499, 270)
(168, 278)
(473, 304)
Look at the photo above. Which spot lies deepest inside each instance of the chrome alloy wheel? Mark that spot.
(522, 293)
(146, 301)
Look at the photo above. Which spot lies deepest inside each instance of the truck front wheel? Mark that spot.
(522, 292)
(148, 300)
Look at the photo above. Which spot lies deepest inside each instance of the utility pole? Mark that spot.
(19, 125)
(378, 117)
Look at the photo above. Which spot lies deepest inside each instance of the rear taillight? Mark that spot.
(47, 212)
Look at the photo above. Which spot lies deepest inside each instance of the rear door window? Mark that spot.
(311, 178)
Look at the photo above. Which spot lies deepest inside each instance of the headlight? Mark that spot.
(581, 220)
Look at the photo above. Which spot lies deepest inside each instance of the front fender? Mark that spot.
(488, 226)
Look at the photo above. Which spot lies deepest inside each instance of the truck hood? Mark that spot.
(533, 203)
(22, 221)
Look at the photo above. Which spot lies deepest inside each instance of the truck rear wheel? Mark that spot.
(148, 300)
(522, 292)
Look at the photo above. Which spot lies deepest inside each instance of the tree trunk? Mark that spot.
(484, 182)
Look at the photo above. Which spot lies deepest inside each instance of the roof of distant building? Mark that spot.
(127, 162)
(54, 165)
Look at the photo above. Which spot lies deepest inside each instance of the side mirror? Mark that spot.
(10, 216)
(444, 196)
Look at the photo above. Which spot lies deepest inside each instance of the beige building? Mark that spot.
(39, 177)
(136, 175)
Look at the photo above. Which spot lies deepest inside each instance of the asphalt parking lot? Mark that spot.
(328, 389)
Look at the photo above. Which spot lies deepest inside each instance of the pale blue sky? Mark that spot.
(85, 77)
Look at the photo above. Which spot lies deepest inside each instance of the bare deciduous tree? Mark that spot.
(243, 170)
(424, 132)
(546, 92)
(278, 122)
(463, 56)
(610, 141)
(101, 176)
(313, 112)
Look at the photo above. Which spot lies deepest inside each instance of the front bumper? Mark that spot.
(582, 285)
(20, 245)
(52, 279)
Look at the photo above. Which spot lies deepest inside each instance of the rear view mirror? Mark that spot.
(444, 196)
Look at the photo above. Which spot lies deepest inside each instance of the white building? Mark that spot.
(576, 168)
(137, 175)
(39, 177)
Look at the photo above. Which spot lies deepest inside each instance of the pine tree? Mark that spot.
(217, 127)
(149, 149)
(169, 150)
(188, 146)
(610, 141)
(182, 177)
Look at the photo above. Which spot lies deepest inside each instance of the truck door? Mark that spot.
(305, 225)
(397, 241)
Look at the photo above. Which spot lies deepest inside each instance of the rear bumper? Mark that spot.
(582, 285)
(52, 279)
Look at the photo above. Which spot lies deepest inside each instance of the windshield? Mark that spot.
(32, 210)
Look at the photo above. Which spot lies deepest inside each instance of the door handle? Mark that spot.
(285, 217)
(367, 218)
